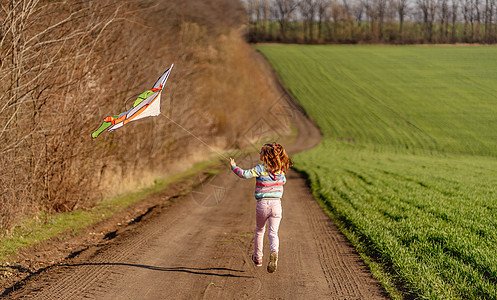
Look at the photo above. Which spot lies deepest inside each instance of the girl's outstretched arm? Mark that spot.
(254, 172)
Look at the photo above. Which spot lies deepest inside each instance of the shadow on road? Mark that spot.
(221, 272)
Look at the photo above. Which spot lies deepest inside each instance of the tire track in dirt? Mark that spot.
(347, 276)
(90, 267)
(192, 251)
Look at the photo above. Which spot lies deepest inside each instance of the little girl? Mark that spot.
(268, 192)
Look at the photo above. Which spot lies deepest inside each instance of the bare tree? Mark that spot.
(489, 12)
(428, 9)
(381, 8)
(358, 12)
(323, 6)
(478, 20)
(401, 6)
(371, 15)
(266, 17)
(443, 13)
(308, 9)
(348, 19)
(366, 7)
(252, 21)
(467, 10)
(454, 13)
(284, 10)
(335, 15)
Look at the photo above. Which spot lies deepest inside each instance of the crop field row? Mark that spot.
(408, 163)
(431, 98)
(431, 221)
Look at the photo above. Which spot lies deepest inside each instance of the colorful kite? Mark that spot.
(146, 105)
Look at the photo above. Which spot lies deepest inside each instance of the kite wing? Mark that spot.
(146, 105)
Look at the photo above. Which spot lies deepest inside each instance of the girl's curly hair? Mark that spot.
(275, 157)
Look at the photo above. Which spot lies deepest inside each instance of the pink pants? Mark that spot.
(267, 210)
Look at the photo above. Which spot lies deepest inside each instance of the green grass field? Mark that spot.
(408, 163)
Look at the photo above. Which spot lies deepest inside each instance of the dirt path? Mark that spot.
(199, 246)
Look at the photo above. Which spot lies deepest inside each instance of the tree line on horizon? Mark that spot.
(372, 21)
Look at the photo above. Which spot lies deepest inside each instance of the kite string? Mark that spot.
(196, 137)
(199, 139)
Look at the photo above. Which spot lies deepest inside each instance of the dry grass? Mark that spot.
(65, 66)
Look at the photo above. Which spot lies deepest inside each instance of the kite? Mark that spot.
(146, 105)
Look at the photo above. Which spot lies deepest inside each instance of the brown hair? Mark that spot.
(275, 158)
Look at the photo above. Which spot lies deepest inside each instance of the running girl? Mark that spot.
(268, 192)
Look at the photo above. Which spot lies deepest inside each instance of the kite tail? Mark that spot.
(101, 129)
(106, 124)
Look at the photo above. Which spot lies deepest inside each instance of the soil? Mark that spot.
(197, 245)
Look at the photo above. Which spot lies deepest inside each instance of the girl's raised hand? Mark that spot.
(232, 161)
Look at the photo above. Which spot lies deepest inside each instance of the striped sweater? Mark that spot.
(268, 185)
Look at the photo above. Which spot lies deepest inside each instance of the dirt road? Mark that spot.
(198, 246)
